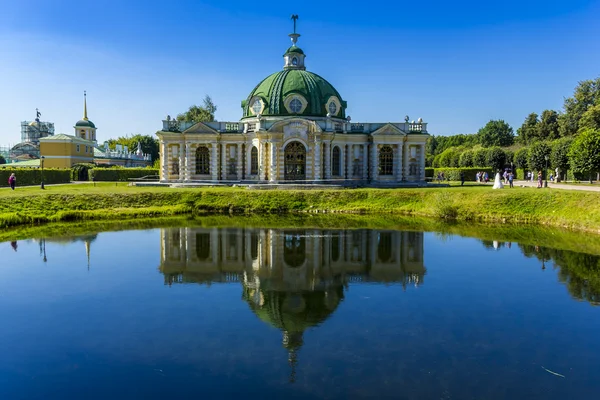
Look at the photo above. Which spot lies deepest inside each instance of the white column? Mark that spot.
(365, 161)
(239, 161)
(343, 161)
(273, 171)
(262, 161)
(422, 163)
(327, 150)
(214, 165)
(399, 162)
(248, 159)
(186, 176)
(405, 160)
(317, 158)
(374, 162)
(224, 158)
(164, 162)
(181, 161)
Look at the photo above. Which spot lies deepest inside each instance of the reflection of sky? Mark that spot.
(481, 326)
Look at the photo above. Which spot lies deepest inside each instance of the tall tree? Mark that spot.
(586, 94)
(480, 158)
(496, 158)
(559, 158)
(204, 113)
(591, 118)
(521, 158)
(528, 132)
(548, 128)
(537, 156)
(584, 154)
(496, 133)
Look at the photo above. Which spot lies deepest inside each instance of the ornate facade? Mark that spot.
(293, 128)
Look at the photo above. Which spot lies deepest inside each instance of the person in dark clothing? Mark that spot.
(462, 178)
(12, 181)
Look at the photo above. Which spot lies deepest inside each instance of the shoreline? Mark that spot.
(571, 210)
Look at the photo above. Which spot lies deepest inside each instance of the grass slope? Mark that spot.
(576, 210)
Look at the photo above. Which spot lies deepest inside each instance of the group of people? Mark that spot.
(482, 177)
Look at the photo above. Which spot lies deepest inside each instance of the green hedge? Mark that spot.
(33, 176)
(453, 174)
(119, 174)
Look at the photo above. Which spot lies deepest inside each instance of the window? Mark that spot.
(332, 108)
(257, 106)
(386, 161)
(86, 149)
(202, 161)
(254, 161)
(78, 148)
(335, 162)
(295, 105)
(294, 61)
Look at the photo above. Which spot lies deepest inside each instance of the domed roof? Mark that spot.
(294, 49)
(84, 123)
(275, 88)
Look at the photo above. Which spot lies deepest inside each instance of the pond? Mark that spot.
(296, 313)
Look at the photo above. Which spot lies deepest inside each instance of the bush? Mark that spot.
(453, 174)
(449, 158)
(80, 172)
(480, 158)
(119, 174)
(559, 158)
(521, 157)
(536, 156)
(584, 154)
(33, 176)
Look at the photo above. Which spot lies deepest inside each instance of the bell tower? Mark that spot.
(84, 128)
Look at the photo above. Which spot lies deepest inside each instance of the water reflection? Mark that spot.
(291, 279)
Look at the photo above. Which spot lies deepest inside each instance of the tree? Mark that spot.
(584, 154)
(528, 132)
(466, 159)
(496, 158)
(510, 156)
(548, 128)
(449, 158)
(2, 160)
(204, 113)
(591, 118)
(521, 158)
(496, 133)
(149, 144)
(536, 157)
(586, 94)
(559, 157)
(480, 158)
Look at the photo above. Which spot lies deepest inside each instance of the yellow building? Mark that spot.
(64, 151)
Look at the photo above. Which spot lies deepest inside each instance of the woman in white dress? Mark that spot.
(498, 183)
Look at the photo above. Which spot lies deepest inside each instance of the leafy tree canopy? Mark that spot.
(528, 132)
(584, 154)
(559, 158)
(586, 94)
(548, 128)
(537, 156)
(204, 113)
(521, 158)
(496, 158)
(591, 118)
(496, 133)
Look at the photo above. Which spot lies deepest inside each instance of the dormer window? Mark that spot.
(257, 106)
(295, 105)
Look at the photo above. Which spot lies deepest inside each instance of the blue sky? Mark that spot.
(455, 64)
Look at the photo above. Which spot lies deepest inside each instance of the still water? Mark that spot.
(265, 313)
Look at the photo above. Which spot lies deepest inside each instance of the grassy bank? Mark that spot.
(560, 208)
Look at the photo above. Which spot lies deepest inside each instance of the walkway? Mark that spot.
(578, 186)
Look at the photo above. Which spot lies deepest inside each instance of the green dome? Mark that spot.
(85, 124)
(274, 89)
(294, 49)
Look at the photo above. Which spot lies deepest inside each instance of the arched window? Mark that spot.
(386, 161)
(335, 162)
(202, 161)
(254, 161)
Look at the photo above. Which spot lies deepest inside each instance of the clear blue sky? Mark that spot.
(455, 64)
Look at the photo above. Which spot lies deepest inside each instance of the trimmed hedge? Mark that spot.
(119, 174)
(453, 174)
(33, 176)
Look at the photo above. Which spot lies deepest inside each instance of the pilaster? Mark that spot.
(405, 160)
(317, 158)
(164, 162)
(188, 162)
(182, 164)
(214, 163)
(273, 171)
(399, 161)
(223, 161)
(239, 157)
(374, 162)
(327, 151)
(366, 161)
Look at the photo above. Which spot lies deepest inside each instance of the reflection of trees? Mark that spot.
(578, 271)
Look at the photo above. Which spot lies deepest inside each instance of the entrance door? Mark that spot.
(295, 161)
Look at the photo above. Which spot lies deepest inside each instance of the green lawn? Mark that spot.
(473, 202)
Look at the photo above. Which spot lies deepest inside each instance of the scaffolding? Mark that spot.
(33, 131)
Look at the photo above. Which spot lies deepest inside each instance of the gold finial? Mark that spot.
(85, 118)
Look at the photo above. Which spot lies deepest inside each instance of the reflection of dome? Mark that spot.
(294, 311)
(83, 123)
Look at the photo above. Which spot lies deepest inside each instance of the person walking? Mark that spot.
(539, 179)
(462, 178)
(510, 179)
(12, 181)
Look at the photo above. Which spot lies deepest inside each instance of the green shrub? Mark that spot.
(80, 172)
(480, 158)
(466, 159)
(453, 174)
(445, 206)
(496, 158)
(119, 174)
(33, 176)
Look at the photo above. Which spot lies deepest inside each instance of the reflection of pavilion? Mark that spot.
(292, 279)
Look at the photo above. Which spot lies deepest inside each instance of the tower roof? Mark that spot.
(85, 122)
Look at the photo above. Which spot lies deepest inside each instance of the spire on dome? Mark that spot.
(294, 36)
(85, 118)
